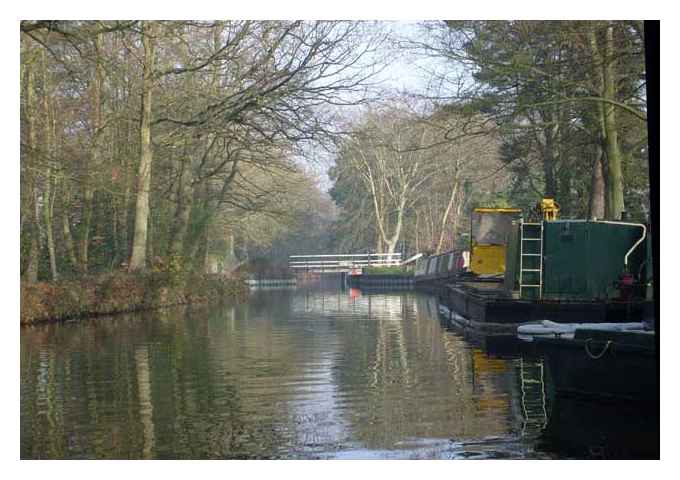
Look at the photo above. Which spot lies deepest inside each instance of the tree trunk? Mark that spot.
(199, 219)
(180, 224)
(606, 83)
(150, 232)
(392, 242)
(34, 248)
(209, 262)
(48, 210)
(456, 220)
(417, 232)
(230, 254)
(430, 229)
(68, 238)
(378, 244)
(138, 257)
(615, 203)
(114, 233)
(50, 243)
(66, 229)
(125, 202)
(185, 192)
(88, 200)
(48, 207)
(445, 217)
(597, 187)
(31, 272)
(565, 199)
(549, 161)
(88, 187)
(378, 212)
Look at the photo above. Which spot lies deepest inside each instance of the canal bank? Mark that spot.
(122, 292)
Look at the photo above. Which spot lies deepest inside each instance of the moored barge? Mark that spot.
(601, 364)
(559, 270)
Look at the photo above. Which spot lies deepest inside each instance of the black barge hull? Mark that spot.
(488, 307)
(614, 366)
(384, 281)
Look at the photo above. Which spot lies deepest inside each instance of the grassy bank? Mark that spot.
(121, 292)
(391, 270)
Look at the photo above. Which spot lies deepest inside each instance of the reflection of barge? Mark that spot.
(561, 270)
(584, 429)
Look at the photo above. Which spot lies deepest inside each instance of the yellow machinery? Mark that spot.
(490, 231)
(550, 208)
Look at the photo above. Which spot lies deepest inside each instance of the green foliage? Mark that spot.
(533, 78)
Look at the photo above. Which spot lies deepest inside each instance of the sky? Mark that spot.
(406, 72)
(402, 72)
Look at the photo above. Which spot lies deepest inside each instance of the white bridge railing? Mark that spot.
(343, 262)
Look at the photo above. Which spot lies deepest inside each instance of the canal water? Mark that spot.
(318, 372)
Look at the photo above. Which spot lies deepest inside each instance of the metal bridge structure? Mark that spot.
(342, 263)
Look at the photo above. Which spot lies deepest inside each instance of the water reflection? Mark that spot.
(305, 373)
(601, 430)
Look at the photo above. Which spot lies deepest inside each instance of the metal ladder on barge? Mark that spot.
(531, 259)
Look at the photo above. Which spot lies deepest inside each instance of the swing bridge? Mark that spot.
(345, 263)
(339, 263)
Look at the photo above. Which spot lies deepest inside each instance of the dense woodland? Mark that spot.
(193, 146)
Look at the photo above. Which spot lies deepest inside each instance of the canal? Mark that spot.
(318, 372)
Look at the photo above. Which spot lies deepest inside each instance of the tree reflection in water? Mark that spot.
(300, 373)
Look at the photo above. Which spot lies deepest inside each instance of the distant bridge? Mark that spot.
(342, 262)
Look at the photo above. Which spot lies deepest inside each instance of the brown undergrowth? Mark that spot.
(122, 292)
